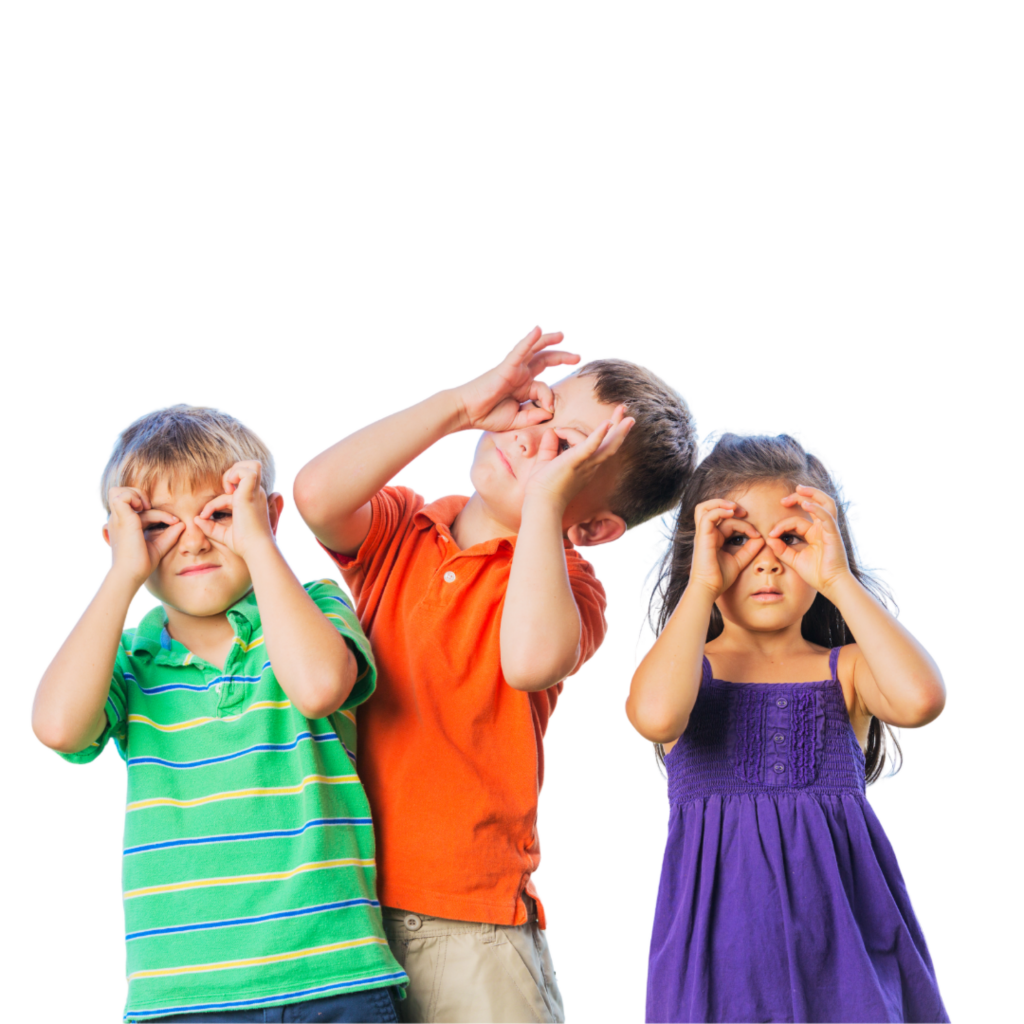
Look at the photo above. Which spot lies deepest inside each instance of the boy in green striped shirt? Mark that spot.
(248, 872)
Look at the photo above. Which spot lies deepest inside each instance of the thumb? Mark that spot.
(782, 551)
(166, 539)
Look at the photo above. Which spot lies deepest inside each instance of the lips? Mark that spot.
(199, 570)
(501, 455)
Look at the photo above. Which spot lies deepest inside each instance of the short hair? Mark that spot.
(191, 444)
(660, 451)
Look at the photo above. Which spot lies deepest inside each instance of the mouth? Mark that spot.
(767, 595)
(199, 570)
(501, 455)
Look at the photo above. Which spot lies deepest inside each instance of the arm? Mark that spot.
(539, 601)
(68, 711)
(311, 660)
(333, 491)
(665, 685)
(894, 677)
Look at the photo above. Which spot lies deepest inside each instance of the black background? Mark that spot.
(603, 812)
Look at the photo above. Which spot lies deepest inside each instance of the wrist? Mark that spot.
(701, 593)
(451, 411)
(839, 586)
(540, 503)
(124, 582)
(258, 551)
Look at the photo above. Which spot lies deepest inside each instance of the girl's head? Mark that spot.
(757, 472)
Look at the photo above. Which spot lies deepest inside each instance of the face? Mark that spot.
(504, 461)
(766, 596)
(198, 576)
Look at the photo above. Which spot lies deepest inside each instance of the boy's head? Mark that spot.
(176, 458)
(189, 445)
(642, 480)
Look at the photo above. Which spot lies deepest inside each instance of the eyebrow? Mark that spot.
(575, 424)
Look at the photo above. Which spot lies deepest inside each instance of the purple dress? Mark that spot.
(780, 896)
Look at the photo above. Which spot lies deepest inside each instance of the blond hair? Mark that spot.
(189, 444)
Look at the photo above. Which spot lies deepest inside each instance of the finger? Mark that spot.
(746, 554)
(166, 539)
(542, 397)
(782, 551)
(548, 447)
(819, 496)
(155, 515)
(615, 437)
(711, 503)
(542, 360)
(238, 472)
(222, 501)
(214, 530)
(732, 526)
(544, 340)
(131, 497)
(820, 513)
(795, 524)
(522, 349)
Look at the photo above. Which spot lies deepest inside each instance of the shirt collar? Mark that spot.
(151, 636)
(443, 512)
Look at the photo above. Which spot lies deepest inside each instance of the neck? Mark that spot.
(475, 524)
(775, 645)
(207, 636)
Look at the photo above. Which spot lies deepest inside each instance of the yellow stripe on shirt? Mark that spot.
(238, 794)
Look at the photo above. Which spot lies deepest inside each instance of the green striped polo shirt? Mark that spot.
(248, 873)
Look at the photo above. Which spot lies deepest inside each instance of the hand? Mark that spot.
(495, 400)
(240, 517)
(563, 474)
(139, 535)
(717, 559)
(818, 556)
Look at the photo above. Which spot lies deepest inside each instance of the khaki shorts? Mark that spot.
(462, 971)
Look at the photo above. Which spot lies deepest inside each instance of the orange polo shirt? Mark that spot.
(451, 756)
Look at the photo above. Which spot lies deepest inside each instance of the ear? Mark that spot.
(275, 502)
(106, 534)
(602, 529)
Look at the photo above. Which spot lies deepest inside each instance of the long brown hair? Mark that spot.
(734, 464)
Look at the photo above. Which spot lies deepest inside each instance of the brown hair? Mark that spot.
(734, 463)
(659, 453)
(191, 444)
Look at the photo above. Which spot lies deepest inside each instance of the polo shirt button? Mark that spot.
(449, 577)
(779, 768)
(412, 922)
(782, 702)
(779, 738)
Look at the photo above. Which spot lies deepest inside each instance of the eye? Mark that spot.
(220, 515)
(563, 445)
(789, 539)
(737, 540)
(154, 528)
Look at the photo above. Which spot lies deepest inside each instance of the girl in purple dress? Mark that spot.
(780, 896)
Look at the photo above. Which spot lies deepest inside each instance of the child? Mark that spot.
(249, 855)
(478, 608)
(780, 895)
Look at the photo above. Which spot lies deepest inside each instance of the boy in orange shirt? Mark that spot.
(478, 609)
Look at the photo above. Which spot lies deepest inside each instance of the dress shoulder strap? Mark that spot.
(705, 673)
(833, 662)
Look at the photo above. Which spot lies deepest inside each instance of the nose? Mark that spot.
(527, 441)
(766, 563)
(193, 541)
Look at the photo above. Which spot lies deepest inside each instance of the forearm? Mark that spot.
(68, 713)
(333, 490)
(902, 684)
(540, 623)
(665, 685)
(311, 660)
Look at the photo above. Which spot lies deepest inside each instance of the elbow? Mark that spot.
(306, 494)
(57, 736)
(654, 721)
(531, 674)
(929, 702)
(323, 694)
